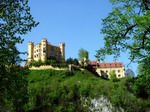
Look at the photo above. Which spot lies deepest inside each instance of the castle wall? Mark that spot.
(62, 50)
(119, 71)
(30, 51)
(46, 67)
(45, 50)
(37, 52)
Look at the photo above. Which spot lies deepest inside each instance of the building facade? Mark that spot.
(44, 50)
(105, 69)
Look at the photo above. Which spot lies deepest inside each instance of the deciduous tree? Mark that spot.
(15, 20)
(127, 28)
(83, 57)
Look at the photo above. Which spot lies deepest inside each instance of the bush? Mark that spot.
(52, 90)
(36, 63)
(141, 86)
(113, 76)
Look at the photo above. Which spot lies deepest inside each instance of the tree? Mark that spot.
(75, 61)
(127, 28)
(113, 77)
(83, 57)
(143, 67)
(141, 85)
(83, 54)
(72, 61)
(69, 61)
(15, 20)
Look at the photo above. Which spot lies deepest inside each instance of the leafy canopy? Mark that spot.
(127, 28)
(83, 54)
(15, 20)
(83, 57)
(72, 61)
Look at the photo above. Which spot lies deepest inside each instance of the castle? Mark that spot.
(44, 50)
(104, 69)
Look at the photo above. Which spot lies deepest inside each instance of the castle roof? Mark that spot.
(93, 63)
(111, 65)
(107, 65)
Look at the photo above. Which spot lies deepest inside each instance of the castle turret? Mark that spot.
(62, 50)
(44, 49)
(30, 51)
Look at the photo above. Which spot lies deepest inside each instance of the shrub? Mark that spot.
(113, 76)
(52, 90)
(36, 63)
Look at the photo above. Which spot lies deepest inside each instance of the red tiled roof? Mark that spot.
(93, 63)
(107, 65)
(111, 65)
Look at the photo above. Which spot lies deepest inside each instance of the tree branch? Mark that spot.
(145, 3)
(127, 30)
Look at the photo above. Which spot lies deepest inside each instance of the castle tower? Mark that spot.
(44, 49)
(30, 51)
(62, 49)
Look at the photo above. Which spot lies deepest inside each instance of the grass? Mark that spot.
(53, 90)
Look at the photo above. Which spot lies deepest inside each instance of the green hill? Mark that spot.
(65, 91)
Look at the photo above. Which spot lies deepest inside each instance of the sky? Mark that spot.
(77, 23)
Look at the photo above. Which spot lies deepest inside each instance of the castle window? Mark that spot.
(59, 57)
(52, 48)
(44, 50)
(118, 75)
(118, 71)
(106, 71)
(52, 54)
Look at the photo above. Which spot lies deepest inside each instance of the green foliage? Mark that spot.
(83, 57)
(127, 28)
(13, 95)
(51, 62)
(113, 76)
(144, 65)
(72, 61)
(75, 61)
(69, 61)
(141, 86)
(12, 26)
(52, 90)
(36, 63)
(83, 54)
(15, 20)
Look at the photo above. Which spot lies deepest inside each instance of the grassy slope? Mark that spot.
(51, 90)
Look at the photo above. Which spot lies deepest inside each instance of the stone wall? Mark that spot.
(43, 67)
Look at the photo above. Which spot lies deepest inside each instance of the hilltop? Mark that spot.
(54, 90)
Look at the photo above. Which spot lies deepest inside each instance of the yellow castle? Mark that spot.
(104, 69)
(44, 50)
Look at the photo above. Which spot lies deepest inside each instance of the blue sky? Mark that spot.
(75, 22)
